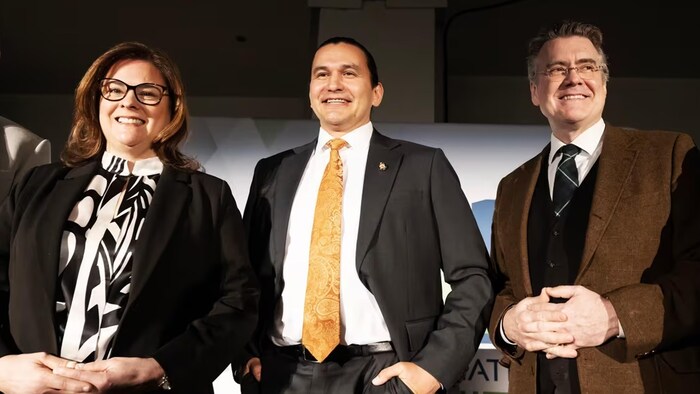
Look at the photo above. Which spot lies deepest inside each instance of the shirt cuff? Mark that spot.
(505, 338)
(621, 332)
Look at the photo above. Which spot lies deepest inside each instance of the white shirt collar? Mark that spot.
(118, 165)
(356, 139)
(588, 140)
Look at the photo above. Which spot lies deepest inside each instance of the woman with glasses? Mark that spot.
(123, 268)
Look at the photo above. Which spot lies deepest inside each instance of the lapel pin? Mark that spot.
(382, 166)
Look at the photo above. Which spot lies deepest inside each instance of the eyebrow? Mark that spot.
(342, 67)
(563, 63)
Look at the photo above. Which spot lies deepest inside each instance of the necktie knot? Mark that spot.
(569, 150)
(336, 144)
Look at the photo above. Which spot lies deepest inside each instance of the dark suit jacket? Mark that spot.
(641, 251)
(193, 298)
(415, 221)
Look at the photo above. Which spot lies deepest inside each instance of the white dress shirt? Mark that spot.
(591, 144)
(361, 320)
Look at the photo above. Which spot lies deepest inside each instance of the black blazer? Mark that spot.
(415, 221)
(193, 299)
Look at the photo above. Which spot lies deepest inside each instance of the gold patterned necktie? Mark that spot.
(321, 330)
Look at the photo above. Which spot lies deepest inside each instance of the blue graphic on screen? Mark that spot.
(483, 213)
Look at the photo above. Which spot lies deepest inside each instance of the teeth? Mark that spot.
(125, 120)
(574, 97)
(336, 101)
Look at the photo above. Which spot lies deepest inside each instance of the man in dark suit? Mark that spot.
(596, 241)
(404, 219)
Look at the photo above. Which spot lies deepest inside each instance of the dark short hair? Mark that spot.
(566, 29)
(371, 64)
(86, 140)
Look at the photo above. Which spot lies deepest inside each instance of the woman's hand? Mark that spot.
(116, 375)
(33, 373)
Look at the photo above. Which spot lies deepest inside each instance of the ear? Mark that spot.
(533, 94)
(377, 94)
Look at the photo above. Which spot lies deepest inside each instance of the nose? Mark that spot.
(334, 82)
(129, 101)
(572, 76)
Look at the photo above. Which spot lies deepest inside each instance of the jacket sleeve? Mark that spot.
(8, 222)
(505, 298)
(256, 220)
(460, 327)
(660, 313)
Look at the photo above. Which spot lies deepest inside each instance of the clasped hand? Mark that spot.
(45, 373)
(586, 319)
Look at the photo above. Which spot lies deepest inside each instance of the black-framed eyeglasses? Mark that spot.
(585, 71)
(146, 93)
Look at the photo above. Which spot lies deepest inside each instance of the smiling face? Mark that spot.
(573, 104)
(340, 91)
(128, 125)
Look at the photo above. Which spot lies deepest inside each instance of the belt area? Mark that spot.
(340, 353)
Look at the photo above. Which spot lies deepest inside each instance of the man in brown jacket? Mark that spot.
(596, 241)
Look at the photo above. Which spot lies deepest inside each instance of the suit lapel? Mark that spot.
(287, 181)
(379, 181)
(614, 167)
(172, 192)
(63, 199)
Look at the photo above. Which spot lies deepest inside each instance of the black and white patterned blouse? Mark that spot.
(96, 256)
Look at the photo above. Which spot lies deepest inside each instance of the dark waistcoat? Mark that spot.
(555, 247)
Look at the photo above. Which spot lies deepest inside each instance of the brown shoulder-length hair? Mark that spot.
(86, 141)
